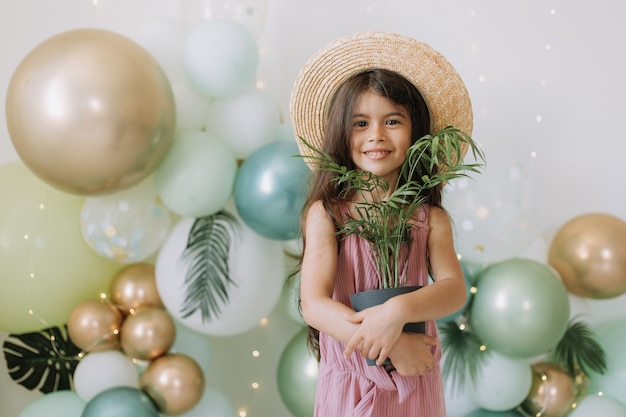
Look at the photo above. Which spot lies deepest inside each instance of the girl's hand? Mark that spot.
(412, 354)
(377, 333)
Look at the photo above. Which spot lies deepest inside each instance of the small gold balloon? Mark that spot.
(552, 392)
(175, 383)
(90, 111)
(589, 253)
(94, 326)
(147, 333)
(135, 287)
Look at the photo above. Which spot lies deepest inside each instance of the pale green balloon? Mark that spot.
(521, 308)
(612, 338)
(55, 404)
(46, 268)
(196, 178)
(297, 376)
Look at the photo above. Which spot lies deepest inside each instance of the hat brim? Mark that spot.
(441, 86)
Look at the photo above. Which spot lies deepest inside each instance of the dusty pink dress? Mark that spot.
(349, 387)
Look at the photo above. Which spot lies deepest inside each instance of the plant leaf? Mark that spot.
(578, 350)
(463, 354)
(44, 360)
(207, 277)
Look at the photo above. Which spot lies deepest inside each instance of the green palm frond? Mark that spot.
(579, 350)
(44, 360)
(207, 277)
(463, 354)
(385, 222)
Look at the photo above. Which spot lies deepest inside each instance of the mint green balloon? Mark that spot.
(197, 176)
(612, 338)
(521, 308)
(297, 376)
(121, 401)
(55, 404)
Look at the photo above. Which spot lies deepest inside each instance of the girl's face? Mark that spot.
(380, 135)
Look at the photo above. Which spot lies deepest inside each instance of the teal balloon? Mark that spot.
(469, 273)
(520, 309)
(121, 401)
(297, 376)
(55, 404)
(611, 336)
(270, 190)
(487, 413)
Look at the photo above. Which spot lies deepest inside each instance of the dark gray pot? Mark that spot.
(362, 300)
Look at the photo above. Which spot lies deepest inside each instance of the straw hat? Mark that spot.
(435, 78)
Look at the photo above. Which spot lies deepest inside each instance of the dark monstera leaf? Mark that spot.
(207, 279)
(43, 360)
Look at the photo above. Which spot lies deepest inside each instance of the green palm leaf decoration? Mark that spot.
(465, 354)
(578, 350)
(43, 360)
(207, 279)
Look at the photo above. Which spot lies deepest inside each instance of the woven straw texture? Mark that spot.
(435, 78)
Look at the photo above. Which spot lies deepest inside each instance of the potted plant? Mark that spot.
(384, 223)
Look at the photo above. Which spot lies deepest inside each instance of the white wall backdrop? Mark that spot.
(547, 84)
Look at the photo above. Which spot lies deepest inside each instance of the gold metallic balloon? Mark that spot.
(134, 287)
(175, 383)
(90, 111)
(552, 392)
(94, 326)
(147, 333)
(589, 252)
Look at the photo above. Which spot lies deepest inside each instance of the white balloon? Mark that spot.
(503, 383)
(261, 126)
(220, 58)
(595, 405)
(99, 371)
(164, 40)
(127, 226)
(459, 402)
(192, 109)
(256, 266)
(496, 215)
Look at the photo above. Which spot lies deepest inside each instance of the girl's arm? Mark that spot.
(381, 325)
(317, 277)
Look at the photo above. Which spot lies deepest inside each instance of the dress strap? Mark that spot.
(422, 215)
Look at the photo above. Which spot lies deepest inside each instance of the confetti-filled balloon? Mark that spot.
(126, 226)
(90, 111)
(496, 216)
